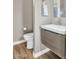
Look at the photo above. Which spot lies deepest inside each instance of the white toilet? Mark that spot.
(29, 38)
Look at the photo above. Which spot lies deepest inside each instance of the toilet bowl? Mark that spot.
(29, 38)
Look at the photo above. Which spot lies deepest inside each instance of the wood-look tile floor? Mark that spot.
(21, 52)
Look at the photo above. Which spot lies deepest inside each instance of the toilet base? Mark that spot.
(29, 38)
(29, 45)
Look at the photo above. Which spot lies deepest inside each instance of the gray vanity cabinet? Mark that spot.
(56, 42)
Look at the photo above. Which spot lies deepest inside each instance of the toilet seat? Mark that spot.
(28, 35)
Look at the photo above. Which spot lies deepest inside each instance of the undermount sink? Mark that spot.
(55, 28)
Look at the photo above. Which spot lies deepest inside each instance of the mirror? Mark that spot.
(63, 8)
(44, 8)
(59, 8)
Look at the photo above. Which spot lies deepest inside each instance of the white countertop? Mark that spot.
(55, 28)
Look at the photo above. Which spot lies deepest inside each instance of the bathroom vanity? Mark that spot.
(54, 37)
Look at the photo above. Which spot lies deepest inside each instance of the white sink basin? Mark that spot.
(55, 28)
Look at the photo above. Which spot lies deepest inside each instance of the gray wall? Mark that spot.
(28, 15)
(17, 19)
(22, 17)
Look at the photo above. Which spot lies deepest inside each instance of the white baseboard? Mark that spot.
(19, 42)
(38, 54)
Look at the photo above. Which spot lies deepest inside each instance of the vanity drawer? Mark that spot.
(54, 41)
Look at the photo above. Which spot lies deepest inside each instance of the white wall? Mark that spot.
(17, 19)
(59, 21)
(39, 20)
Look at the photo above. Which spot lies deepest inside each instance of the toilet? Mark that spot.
(29, 38)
